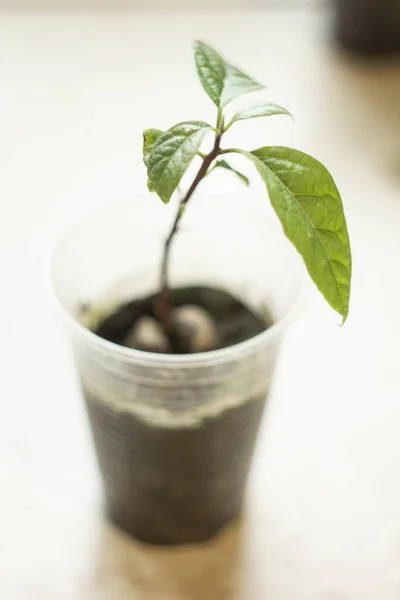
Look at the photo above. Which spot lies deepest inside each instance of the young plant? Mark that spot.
(301, 190)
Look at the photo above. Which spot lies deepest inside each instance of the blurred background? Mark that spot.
(80, 80)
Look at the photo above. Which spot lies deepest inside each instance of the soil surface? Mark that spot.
(235, 322)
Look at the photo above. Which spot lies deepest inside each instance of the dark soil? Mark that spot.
(234, 320)
(168, 485)
(174, 486)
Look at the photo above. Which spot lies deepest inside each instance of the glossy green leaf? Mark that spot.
(309, 206)
(222, 82)
(211, 70)
(150, 136)
(261, 109)
(237, 84)
(172, 154)
(224, 165)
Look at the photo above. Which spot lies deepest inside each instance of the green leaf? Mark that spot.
(222, 82)
(211, 69)
(172, 154)
(309, 206)
(150, 136)
(237, 84)
(224, 165)
(262, 109)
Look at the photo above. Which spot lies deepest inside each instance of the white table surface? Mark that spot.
(323, 517)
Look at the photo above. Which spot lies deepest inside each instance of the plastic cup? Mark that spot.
(174, 435)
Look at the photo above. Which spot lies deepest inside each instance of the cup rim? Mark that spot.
(141, 357)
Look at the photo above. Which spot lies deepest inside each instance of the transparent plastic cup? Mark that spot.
(174, 435)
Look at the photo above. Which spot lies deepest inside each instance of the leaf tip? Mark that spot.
(164, 199)
(201, 46)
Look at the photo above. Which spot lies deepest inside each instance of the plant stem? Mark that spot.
(220, 119)
(163, 302)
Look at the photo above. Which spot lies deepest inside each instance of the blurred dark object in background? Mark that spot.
(368, 26)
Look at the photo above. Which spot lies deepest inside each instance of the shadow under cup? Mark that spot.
(174, 435)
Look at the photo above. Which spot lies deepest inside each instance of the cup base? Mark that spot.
(155, 538)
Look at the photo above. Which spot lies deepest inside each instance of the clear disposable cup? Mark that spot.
(174, 434)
